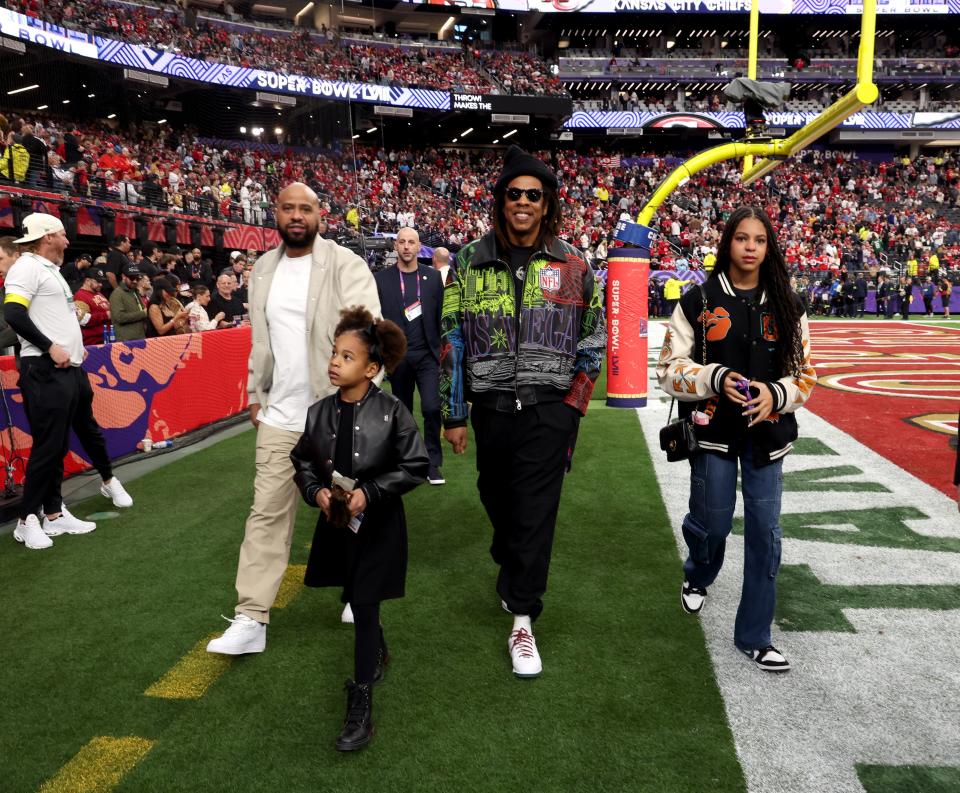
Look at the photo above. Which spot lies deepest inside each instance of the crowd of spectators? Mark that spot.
(520, 73)
(832, 208)
(129, 292)
(298, 52)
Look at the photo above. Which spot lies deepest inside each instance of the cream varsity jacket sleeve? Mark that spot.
(678, 374)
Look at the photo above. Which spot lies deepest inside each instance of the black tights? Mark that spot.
(367, 641)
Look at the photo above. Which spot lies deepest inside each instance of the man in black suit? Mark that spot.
(860, 293)
(193, 270)
(412, 296)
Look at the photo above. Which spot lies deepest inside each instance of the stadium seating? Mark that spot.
(822, 199)
(349, 59)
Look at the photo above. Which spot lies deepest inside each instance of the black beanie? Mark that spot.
(517, 162)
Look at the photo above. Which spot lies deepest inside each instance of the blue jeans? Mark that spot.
(713, 494)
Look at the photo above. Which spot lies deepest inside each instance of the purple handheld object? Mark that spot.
(743, 386)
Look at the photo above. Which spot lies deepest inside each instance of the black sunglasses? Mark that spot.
(533, 194)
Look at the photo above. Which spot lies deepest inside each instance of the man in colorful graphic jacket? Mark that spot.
(523, 336)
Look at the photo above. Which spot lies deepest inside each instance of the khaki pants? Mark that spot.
(269, 531)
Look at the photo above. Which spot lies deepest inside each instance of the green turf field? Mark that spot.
(627, 701)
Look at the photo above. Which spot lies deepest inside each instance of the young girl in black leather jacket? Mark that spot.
(359, 453)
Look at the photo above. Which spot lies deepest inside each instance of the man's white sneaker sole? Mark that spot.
(240, 638)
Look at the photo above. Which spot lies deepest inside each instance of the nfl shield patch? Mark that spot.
(550, 279)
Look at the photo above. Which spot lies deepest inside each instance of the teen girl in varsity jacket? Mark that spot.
(755, 330)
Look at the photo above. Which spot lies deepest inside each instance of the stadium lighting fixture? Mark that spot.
(511, 132)
(372, 129)
(22, 90)
(112, 115)
(355, 137)
(42, 107)
(162, 121)
(243, 130)
(445, 27)
(455, 140)
(671, 43)
(278, 130)
(723, 44)
(90, 96)
(65, 102)
(496, 140)
(303, 11)
(466, 132)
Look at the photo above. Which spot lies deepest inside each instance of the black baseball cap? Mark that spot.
(132, 271)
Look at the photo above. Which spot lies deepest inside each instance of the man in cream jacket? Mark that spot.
(296, 293)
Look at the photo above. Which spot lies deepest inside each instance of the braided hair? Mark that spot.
(775, 281)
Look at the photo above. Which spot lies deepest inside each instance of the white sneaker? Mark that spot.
(30, 534)
(67, 524)
(243, 636)
(523, 653)
(347, 616)
(115, 492)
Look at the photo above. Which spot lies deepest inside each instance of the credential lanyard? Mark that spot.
(403, 288)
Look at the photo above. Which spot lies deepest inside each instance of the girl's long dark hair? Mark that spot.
(775, 281)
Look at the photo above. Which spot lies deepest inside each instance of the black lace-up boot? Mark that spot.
(357, 726)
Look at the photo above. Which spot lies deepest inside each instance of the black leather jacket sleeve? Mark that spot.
(308, 475)
(412, 462)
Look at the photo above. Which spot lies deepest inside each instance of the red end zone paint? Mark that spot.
(895, 387)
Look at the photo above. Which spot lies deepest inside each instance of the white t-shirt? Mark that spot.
(290, 394)
(36, 283)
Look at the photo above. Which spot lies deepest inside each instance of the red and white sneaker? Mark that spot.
(523, 653)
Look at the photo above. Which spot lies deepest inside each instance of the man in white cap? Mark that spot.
(56, 393)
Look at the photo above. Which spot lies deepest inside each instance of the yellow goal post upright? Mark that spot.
(628, 267)
(773, 152)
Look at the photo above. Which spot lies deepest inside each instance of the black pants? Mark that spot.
(521, 459)
(421, 370)
(56, 401)
(928, 305)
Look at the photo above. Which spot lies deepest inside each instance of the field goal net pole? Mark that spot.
(629, 268)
